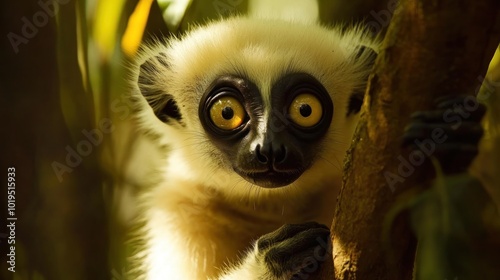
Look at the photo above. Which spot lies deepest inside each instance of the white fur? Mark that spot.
(203, 217)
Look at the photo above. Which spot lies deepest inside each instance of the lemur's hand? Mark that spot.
(451, 132)
(294, 251)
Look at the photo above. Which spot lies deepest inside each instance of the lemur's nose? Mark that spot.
(271, 153)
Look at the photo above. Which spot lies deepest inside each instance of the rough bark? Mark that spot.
(432, 48)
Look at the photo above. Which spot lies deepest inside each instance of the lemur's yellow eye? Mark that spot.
(306, 110)
(227, 113)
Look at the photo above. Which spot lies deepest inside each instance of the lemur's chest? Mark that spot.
(212, 232)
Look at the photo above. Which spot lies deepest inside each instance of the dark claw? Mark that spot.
(451, 131)
(464, 104)
(285, 232)
(427, 116)
(467, 132)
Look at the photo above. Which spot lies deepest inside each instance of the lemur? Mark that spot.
(257, 115)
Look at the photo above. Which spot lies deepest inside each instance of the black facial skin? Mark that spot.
(286, 150)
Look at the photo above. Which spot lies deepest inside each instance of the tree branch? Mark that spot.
(432, 48)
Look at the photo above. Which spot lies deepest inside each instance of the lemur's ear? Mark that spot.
(152, 86)
(367, 55)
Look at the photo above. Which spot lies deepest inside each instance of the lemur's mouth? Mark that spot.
(270, 179)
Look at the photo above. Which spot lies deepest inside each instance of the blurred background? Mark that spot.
(69, 130)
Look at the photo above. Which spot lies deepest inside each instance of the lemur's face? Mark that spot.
(269, 142)
(268, 105)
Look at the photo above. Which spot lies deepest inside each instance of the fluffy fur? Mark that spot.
(202, 220)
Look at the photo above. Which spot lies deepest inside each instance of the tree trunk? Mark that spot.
(432, 48)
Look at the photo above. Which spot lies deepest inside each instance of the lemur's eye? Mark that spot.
(227, 113)
(305, 110)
